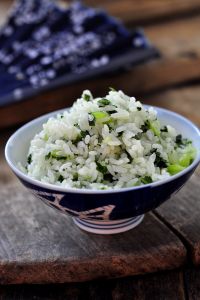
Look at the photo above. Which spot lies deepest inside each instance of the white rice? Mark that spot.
(83, 148)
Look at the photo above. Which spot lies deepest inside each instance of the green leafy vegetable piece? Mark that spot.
(104, 102)
(112, 112)
(91, 122)
(155, 127)
(159, 161)
(145, 126)
(81, 136)
(164, 129)
(108, 177)
(55, 154)
(46, 137)
(86, 97)
(100, 116)
(146, 179)
(61, 178)
(139, 108)
(182, 142)
(174, 169)
(187, 158)
(75, 177)
(128, 155)
(101, 168)
(29, 159)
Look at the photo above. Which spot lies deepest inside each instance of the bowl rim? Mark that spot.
(61, 189)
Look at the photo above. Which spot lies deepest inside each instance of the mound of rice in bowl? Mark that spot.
(107, 143)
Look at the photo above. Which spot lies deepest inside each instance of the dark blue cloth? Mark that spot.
(44, 46)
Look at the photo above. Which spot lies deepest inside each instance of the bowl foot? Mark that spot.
(108, 227)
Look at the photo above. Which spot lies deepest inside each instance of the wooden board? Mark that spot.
(179, 43)
(192, 280)
(184, 100)
(146, 11)
(40, 245)
(182, 214)
(162, 286)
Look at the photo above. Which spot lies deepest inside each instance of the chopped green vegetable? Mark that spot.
(137, 183)
(101, 168)
(61, 178)
(55, 154)
(159, 161)
(91, 122)
(182, 142)
(101, 116)
(81, 136)
(75, 177)
(155, 127)
(174, 169)
(187, 158)
(128, 155)
(146, 179)
(104, 102)
(120, 133)
(86, 97)
(108, 177)
(46, 137)
(29, 159)
(179, 140)
(112, 112)
(164, 129)
(139, 108)
(138, 136)
(145, 126)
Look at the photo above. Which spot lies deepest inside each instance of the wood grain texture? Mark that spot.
(192, 280)
(162, 286)
(4, 9)
(179, 43)
(40, 245)
(182, 213)
(184, 100)
(146, 11)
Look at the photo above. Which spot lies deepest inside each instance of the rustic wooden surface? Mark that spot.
(162, 286)
(184, 100)
(39, 245)
(182, 213)
(192, 281)
(147, 11)
(35, 246)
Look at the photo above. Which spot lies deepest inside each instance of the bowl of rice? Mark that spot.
(105, 161)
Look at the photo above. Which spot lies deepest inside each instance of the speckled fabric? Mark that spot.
(43, 46)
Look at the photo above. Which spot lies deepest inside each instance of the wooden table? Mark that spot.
(160, 258)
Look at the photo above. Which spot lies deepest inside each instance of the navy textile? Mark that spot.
(43, 46)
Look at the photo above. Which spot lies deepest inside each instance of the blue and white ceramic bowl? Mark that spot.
(101, 211)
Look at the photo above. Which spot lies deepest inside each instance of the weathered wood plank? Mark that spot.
(162, 286)
(146, 11)
(39, 245)
(182, 213)
(4, 9)
(184, 100)
(192, 280)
